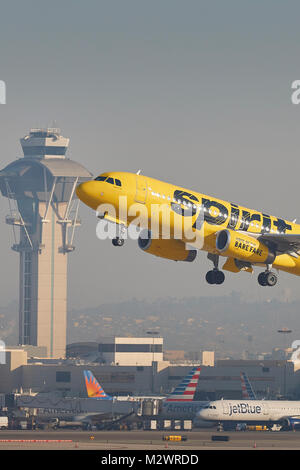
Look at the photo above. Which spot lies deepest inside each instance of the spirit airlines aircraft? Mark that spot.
(245, 237)
(269, 412)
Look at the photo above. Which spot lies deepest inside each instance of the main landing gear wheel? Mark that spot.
(215, 277)
(267, 278)
(118, 241)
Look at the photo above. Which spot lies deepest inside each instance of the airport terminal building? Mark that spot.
(145, 373)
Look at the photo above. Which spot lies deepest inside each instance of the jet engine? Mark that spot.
(243, 247)
(165, 248)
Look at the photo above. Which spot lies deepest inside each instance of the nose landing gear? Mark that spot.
(119, 240)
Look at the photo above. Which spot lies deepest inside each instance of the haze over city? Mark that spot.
(200, 97)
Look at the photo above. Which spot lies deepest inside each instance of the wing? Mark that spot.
(283, 243)
(113, 220)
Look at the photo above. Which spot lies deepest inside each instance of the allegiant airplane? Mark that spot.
(245, 237)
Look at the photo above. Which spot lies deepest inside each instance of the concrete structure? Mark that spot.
(208, 358)
(123, 351)
(43, 212)
(269, 379)
(131, 351)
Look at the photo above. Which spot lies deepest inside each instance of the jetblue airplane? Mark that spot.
(267, 412)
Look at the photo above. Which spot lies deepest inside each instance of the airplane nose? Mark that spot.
(89, 193)
(201, 414)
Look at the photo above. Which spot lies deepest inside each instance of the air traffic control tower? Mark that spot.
(43, 213)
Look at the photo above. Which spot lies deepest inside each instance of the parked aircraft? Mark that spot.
(268, 412)
(97, 406)
(247, 390)
(180, 404)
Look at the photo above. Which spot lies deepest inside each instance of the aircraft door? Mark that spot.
(141, 189)
(225, 408)
(265, 409)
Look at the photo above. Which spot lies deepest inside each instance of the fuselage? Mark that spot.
(258, 411)
(213, 214)
(180, 410)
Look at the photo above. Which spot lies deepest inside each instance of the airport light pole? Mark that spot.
(153, 334)
(285, 332)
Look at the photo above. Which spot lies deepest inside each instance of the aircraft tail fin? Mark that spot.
(93, 388)
(185, 391)
(247, 390)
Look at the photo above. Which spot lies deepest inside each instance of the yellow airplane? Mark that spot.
(244, 236)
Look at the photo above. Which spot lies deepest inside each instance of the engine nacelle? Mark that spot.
(165, 248)
(243, 247)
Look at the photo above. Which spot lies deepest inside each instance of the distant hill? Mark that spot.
(226, 324)
(229, 325)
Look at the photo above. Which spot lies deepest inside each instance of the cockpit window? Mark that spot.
(109, 180)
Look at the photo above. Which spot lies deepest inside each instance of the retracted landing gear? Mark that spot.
(215, 276)
(267, 278)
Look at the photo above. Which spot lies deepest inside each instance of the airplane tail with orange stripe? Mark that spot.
(93, 388)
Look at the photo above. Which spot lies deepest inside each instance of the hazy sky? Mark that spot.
(197, 93)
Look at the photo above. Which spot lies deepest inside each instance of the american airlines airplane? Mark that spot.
(180, 404)
(247, 390)
(268, 412)
(245, 237)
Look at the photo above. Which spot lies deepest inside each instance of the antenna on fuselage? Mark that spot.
(138, 172)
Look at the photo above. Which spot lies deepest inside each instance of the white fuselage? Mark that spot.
(181, 409)
(250, 410)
